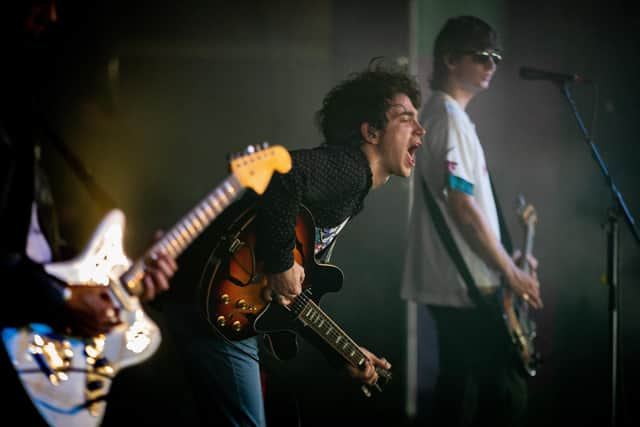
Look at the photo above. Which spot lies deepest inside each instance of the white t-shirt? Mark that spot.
(38, 248)
(451, 157)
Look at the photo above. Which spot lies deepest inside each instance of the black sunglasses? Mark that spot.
(484, 56)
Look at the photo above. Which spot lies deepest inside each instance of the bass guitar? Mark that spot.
(68, 378)
(518, 319)
(236, 304)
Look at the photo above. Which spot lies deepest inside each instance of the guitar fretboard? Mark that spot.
(314, 317)
(176, 240)
(528, 244)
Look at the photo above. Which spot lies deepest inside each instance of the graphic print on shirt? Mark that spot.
(325, 235)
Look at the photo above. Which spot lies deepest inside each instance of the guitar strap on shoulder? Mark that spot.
(445, 234)
(504, 230)
(452, 248)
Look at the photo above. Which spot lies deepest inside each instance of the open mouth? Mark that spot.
(412, 154)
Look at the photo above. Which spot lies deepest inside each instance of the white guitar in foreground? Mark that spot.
(68, 378)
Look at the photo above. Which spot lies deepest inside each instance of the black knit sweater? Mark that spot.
(331, 181)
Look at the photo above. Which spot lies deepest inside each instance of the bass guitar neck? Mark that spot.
(516, 313)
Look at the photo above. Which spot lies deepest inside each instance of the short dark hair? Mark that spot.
(364, 97)
(459, 34)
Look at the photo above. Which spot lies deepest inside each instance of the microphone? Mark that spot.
(529, 73)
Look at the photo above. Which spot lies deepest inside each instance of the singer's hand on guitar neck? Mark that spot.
(367, 374)
(286, 285)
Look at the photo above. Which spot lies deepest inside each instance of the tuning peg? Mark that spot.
(265, 145)
(251, 149)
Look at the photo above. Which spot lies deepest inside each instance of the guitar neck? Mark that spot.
(315, 318)
(181, 235)
(528, 246)
(176, 240)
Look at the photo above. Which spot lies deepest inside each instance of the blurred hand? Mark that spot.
(158, 273)
(526, 285)
(286, 285)
(368, 374)
(91, 311)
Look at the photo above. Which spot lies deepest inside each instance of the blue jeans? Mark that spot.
(225, 375)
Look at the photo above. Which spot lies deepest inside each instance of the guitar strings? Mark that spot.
(350, 349)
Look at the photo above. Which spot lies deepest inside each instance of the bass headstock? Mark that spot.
(526, 212)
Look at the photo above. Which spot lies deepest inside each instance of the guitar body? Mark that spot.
(518, 320)
(521, 329)
(68, 378)
(235, 296)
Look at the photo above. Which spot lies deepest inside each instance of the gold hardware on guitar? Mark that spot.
(237, 276)
(520, 325)
(68, 378)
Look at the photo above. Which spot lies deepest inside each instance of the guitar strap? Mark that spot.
(452, 248)
(504, 230)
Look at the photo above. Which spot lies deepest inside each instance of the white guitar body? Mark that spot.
(68, 378)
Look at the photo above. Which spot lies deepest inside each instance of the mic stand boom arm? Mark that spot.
(613, 256)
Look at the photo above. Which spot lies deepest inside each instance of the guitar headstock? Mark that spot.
(254, 167)
(526, 212)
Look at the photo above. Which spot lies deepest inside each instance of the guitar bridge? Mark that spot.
(52, 356)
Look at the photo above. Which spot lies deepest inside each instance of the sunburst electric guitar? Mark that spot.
(68, 378)
(235, 301)
(518, 319)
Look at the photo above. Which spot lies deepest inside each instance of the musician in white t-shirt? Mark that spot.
(478, 382)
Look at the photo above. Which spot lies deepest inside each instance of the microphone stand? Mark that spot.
(613, 256)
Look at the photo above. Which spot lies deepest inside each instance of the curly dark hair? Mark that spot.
(459, 34)
(364, 97)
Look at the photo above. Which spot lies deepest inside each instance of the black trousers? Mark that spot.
(479, 383)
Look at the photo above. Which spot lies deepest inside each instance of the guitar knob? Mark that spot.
(237, 326)
(241, 304)
(221, 321)
(224, 298)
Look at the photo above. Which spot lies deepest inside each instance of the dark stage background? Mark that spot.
(153, 96)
